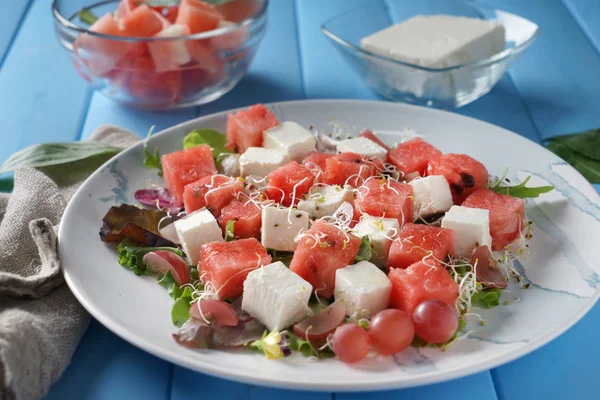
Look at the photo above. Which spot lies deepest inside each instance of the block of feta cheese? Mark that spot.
(276, 296)
(431, 195)
(324, 200)
(363, 288)
(196, 229)
(438, 41)
(279, 228)
(471, 228)
(380, 232)
(362, 145)
(290, 138)
(260, 161)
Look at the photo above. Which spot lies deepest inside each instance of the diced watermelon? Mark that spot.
(245, 128)
(169, 12)
(142, 22)
(289, 182)
(507, 215)
(169, 55)
(229, 41)
(464, 174)
(366, 133)
(317, 261)
(207, 59)
(198, 16)
(350, 168)
(225, 265)
(381, 197)
(213, 192)
(238, 10)
(126, 7)
(420, 282)
(316, 162)
(246, 217)
(186, 166)
(413, 156)
(414, 242)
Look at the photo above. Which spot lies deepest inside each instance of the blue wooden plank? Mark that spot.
(12, 15)
(106, 367)
(41, 97)
(587, 14)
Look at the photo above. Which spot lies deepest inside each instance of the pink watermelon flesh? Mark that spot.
(198, 16)
(246, 217)
(245, 128)
(385, 198)
(350, 168)
(415, 241)
(213, 192)
(289, 183)
(464, 174)
(413, 156)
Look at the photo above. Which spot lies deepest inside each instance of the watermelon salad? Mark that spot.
(281, 238)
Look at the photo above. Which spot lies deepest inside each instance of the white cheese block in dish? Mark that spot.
(363, 288)
(279, 228)
(276, 296)
(432, 195)
(471, 228)
(438, 41)
(324, 200)
(290, 138)
(363, 146)
(260, 161)
(196, 229)
(380, 231)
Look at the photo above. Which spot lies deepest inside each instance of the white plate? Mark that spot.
(563, 268)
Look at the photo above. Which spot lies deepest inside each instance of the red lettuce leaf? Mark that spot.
(141, 226)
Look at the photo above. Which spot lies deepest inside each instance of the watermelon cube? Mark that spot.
(415, 242)
(288, 183)
(169, 55)
(186, 166)
(198, 16)
(142, 22)
(420, 282)
(321, 251)
(381, 197)
(316, 162)
(507, 215)
(224, 265)
(350, 168)
(464, 174)
(366, 133)
(126, 7)
(213, 192)
(246, 217)
(245, 128)
(139, 78)
(412, 157)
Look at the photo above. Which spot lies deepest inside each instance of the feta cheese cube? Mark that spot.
(276, 296)
(324, 200)
(291, 139)
(438, 41)
(277, 231)
(471, 228)
(260, 161)
(230, 165)
(380, 231)
(363, 146)
(363, 288)
(196, 229)
(432, 195)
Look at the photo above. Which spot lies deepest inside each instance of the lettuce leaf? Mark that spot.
(215, 139)
(364, 252)
(140, 225)
(180, 312)
(520, 190)
(130, 255)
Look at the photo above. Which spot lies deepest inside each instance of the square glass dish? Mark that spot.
(449, 87)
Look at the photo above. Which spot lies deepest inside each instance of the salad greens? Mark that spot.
(229, 234)
(364, 252)
(520, 190)
(87, 16)
(130, 255)
(180, 312)
(215, 139)
(581, 150)
(487, 298)
(140, 225)
(152, 160)
(283, 256)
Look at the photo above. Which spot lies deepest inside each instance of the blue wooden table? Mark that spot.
(554, 88)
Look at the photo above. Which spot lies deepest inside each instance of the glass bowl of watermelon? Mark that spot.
(161, 54)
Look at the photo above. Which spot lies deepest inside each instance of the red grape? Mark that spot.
(351, 343)
(391, 331)
(435, 321)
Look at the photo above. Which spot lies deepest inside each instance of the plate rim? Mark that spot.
(283, 381)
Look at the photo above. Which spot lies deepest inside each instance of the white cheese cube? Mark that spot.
(438, 41)
(431, 195)
(363, 288)
(279, 227)
(230, 165)
(276, 296)
(324, 200)
(196, 229)
(471, 228)
(380, 232)
(363, 146)
(260, 161)
(291, 139)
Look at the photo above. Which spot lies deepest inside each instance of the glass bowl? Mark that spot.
(162, 72)
(440, 88)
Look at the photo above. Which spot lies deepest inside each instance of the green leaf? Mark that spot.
(488, 298)
(587, 166)
(520, 190)
(585, 143)
(130, 255)
(43, 155)
(296, 343)
(364, 252)
(229, 234)
(152, 160)
(283, 256)
(215, 139)
(180, 312)
(172, 287)
(87, 16)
